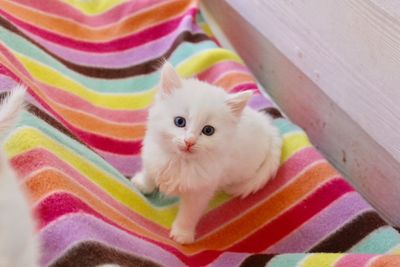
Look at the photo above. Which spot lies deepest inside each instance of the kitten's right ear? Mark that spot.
(237, 102)
(170, 79)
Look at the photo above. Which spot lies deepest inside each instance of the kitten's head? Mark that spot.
(194, 119)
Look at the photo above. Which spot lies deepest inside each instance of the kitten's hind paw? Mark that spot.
(144, 185)
(181, 236)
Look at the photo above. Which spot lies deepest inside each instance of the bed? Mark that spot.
(91, 69)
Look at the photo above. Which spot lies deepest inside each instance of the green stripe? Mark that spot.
(135, 84)
(29, 120)
(285, 127)
(286, 260)
(379, 241)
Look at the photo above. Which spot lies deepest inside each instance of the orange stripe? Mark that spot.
(49, 181)
(232, 79)
(79, 119)
(386, 261)
(248, 223)
(75, 30)
(93, 124)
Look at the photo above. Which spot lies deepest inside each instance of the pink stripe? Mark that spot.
(322, 225)
(16, 64)
(119, 44)
(41, 159)
(67, 204)
(127, 165)
(120, 59)
(221, 68)
(75, 102)
(71, 229)
(243, 87)
(294, 216)
(354, 260)
(258, 101)
(6, 83)
(290, 170)
(229, 259)
(117, 13)
(95, 141)
(90, 139)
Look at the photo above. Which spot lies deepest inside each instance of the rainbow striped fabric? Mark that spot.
(91, 70)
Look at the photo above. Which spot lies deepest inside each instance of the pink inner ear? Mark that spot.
(170, 80)
(237, 102)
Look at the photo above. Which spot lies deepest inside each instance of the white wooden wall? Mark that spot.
(334, 68)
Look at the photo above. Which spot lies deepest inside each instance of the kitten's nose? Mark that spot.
(190, 141)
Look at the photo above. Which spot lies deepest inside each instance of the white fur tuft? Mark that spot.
(18, 244)
(11, 108)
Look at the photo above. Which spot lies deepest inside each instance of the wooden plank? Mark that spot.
(333, 68)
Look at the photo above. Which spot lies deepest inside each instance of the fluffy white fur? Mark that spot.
(18, 246)
(239, 158)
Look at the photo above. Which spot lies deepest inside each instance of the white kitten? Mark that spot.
(18, 246)
(200, 140)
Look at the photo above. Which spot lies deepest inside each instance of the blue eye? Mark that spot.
(208, 130)
(180, 121)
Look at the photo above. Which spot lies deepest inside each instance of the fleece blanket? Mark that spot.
(91, 69)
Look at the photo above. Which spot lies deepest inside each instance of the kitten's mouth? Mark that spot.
(186, 149)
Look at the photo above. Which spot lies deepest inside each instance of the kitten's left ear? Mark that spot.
(170, 80)
(237, 102)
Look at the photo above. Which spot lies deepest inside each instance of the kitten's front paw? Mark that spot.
(182, 236)
(140, 182)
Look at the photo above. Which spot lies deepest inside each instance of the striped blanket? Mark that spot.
(91, 72)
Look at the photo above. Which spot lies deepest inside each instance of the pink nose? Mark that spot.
(189, 142)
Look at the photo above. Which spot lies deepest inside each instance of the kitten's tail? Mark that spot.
(11, 108)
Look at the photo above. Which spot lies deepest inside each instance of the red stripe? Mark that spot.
(90, 139)
(147, 35)
(107, 144)
(288, 172)
(38, 159)
(281, 226)
(77, 103)
(113, 15)
(294, 217)
(59, 204)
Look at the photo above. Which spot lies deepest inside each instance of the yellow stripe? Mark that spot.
(206, 29)
(53, 78)
(27, 138)
(218, 200)
(93, 7)
(395, 251)
(202, 61)
(293, 143)
(321, 260)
